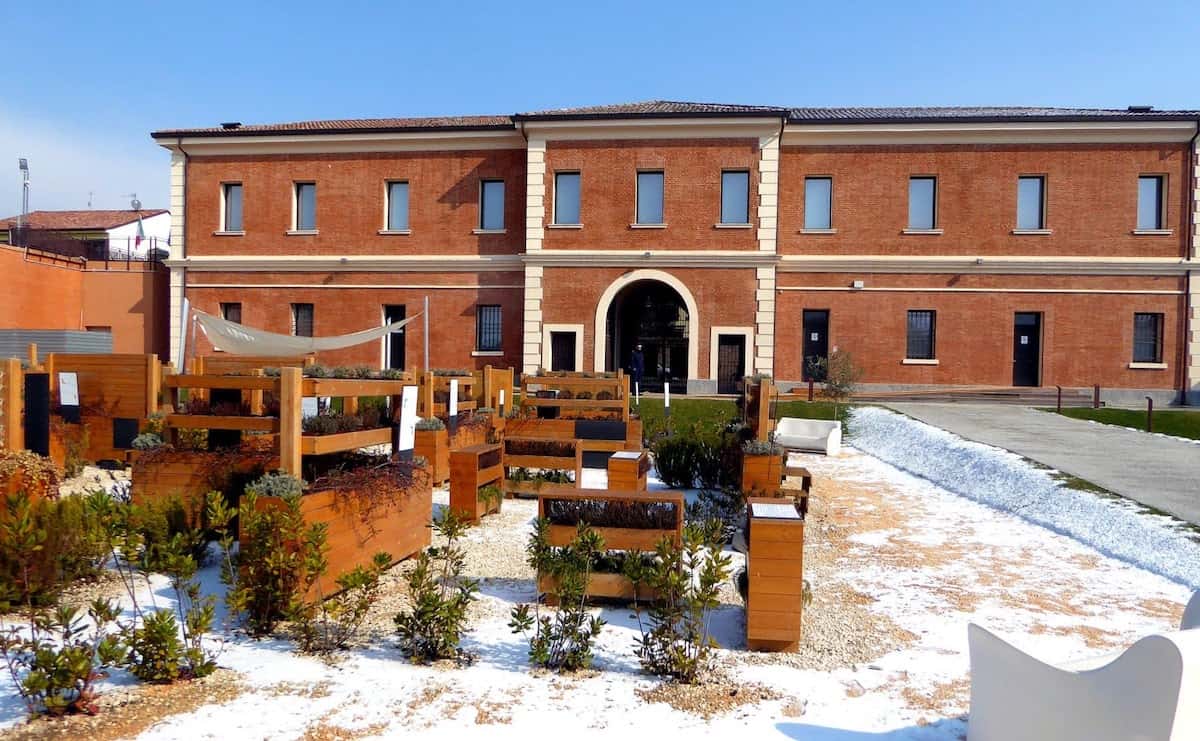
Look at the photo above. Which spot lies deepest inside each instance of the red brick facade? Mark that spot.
(1086, 274)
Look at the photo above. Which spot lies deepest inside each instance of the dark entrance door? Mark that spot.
(1027, 348)
(393, 348)
(816, 343)
(731, 362)
(653, 315)
(562, 351)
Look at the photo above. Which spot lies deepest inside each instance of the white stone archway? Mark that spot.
(610, 293)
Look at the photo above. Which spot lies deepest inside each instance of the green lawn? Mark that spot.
(687, 412)
(1168, 422)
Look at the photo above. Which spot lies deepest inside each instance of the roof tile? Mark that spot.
(78, 220)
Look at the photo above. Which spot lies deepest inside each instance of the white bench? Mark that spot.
(820, 435)
(1148, 692)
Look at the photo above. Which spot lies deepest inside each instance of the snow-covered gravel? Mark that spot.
(898, 566)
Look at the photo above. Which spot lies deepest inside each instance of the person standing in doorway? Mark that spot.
(637, 365)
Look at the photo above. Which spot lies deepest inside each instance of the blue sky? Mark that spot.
(90, 80)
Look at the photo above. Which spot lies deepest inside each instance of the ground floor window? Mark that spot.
(487, 328)
(302, 320)
(1147, 338)
(922, 325)
(232, 312)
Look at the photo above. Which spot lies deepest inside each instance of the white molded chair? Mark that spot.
(820, 435)
(1149, 692)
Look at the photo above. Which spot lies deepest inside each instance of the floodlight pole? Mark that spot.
(23, 166)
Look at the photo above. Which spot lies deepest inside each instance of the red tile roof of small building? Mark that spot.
(81, 220)
(348, 126)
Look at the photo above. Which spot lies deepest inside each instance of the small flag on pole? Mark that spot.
(141, 234)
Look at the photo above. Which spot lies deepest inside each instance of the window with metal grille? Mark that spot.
(302, 320)
(922, 325)
(1147, 338)
(232, 312)
(487, 327)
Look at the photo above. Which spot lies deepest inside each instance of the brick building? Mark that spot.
(943, 246)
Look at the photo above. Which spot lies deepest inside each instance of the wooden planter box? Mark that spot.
(775, 574)
(573, 462)
(762, 473)
(602, 586)
(628, 470)
(433, 446)
(357, 529)
(471, 469)
(531, 489)
(183, 474)
(467, 435)
(617, 538)
(324, 444)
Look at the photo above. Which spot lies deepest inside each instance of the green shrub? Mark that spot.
(563, 640)
(155, 651)
(433, 628)
(676, 458)
(44, 545)
(761, 447)
(276, 484)
(726, 505)
(55, 660)
(430, 423)
(491, 495)
(323, 625)
(148, 441)
(675, 640)
(392, 374)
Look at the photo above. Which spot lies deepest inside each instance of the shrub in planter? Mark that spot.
(434, 626)
(24, 471)
(430, 423)
(675, 640)
(55, 660)
(562, 640)
(148, 441)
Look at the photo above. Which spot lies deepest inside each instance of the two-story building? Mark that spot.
(944, 246)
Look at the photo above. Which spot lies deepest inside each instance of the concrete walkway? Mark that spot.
(1157, 471)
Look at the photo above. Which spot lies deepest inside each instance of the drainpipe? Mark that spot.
(1189, 237)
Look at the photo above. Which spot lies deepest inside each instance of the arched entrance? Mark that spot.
(653, 309)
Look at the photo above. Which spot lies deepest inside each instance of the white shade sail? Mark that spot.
(239, 339)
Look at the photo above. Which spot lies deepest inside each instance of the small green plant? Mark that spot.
(762, 447)
(323, 625)
(434, 627)
(55, 661)
(841, 377)
(155, 650)
(276, 484)
(675, 640)
(392, 374)
(491, 497)
(561, 641)
(45, 544)
(726, 505)
(148, 441)
(430, 423)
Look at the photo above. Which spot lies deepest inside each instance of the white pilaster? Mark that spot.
(178, 250)
(535, 232)
(768, 220)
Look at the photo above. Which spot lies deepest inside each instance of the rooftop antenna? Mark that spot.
(23, 166)
(134, 203)
(90, 194)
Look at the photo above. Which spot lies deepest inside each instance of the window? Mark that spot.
(397, 206)
(735, 197)
(818, 203)
(1147, 338)
(302, 320)
(487, 328)
(491, 205)
(1031, 202)
(231, 211)
(566, 198)
(650, 197)
(306, 207)
(1150, 202)
(922, 203)
(232, 312)
(922, 327)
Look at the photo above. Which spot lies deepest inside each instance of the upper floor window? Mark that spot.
(302, 320)
(922, 330)
(491, 205)
(487, 328)
(1031, 202)
(306, 207)
(922, 202)
(650, 197)
(1150, 204)
(397, 206)
(818, 203)
(1147, 338)
(232, 312)
(566, 198)
(231, 207)
(735, 197)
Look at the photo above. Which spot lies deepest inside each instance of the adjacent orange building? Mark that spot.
(950, 246)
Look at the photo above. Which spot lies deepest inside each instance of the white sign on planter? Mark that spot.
(408, 419)
(68, 389)
(453, 398)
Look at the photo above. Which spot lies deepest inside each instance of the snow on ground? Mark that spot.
(898, 567)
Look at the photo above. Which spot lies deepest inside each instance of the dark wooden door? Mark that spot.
(562, 351)
(731, 362)
(816, 342)
(1027, 348)
(394, 343)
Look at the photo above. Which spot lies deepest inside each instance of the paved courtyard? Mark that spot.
(1157, 471)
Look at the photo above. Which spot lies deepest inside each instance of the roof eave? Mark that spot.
(338, 131)
(1114, 118)
(534, 117)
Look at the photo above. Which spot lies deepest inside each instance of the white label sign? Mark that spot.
(1024, 339)
(308, 407)
(814, 336)
(501, 402)
(666, 395)
(408, 418)
(453, 398)
(68, 389)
